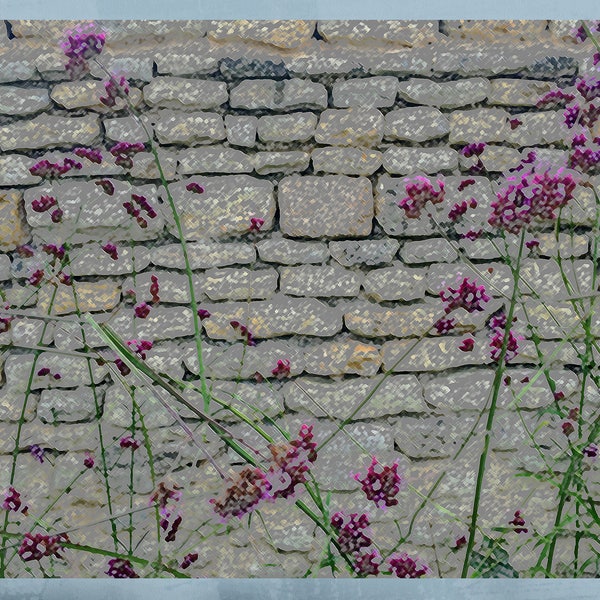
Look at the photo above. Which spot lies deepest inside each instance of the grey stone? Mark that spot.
(325, 398)
(291, 252)
(372, 92)
(447, 94)
(331, 206)
(48, 131)
(398, 62)
(192, 128)
(266, 163)
(247, 66)
(138, 65)
(416, 124)
(569, 245)
(497, 283)
(321, 60)
(70, 335)
(14, 170)
(489, 30)
(241, 130)
(69, 437)
(343, 357)
(494, 159)
(348, 161)
(544, 278)
(127, 129)
(67, 406)
(253, 94)
(279, 33)
(5, 263)
(320, 281)
(28, 332)
(295, 127)
(144, 165)
(12, 402)
(203, 214)
(432, 250)
(546, 127)
(303, 93)
(23, 101)
(212, 159)
(17, 63)
(479, 124)
(403, 161)
(187, 94)
(281, 315)
(395, 283)
(173, 287)
(162, 323)
(239, 284)
(404, 32)
(92, 260)
(355, 126)
(364, 252)
(195, 57)
(517, 92)
(86, 94)
(203, 255)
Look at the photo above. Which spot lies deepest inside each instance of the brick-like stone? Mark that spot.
(194, 57)
(49, 131)
(320, 281)
(347, 161)
(405, 32)
(14, 170)
(494, 159)
(569, 246)
(213, 159)
(266, 163)
(282, 34)
(5, 271)
(144, 165)
(67, 406)
(447, 94)
(432, 250)
(173, 286)
(398, 62)
(13, 229)
(239, 284)
(303, 93)
(497, 283)
(203, 255)
(403, 161)
(241, 130)
(546, 127)
(397, 394)
(86, 94)
(416, 124)
(364, 252)
(127, 129)
(371, 92)
(254, 94)
(328, 206)
(343, 357)
(543, 277)
(517, 92)
(483, 29)
(162, 323)
(189, 128)
(18, 101)
(11, 405)
(91, 297)
(203, 214)
(350, 127)
(395, 283)
(291, 252)
(479, 124)
(17, 63)
(295, 127)
(186, 94)
(92, 260)
(281, 315)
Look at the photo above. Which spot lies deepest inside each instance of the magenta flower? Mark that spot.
(56, 251)
(36, 278)
(465, 184)
(468, 295)
(123, 368)
(88, 461)
(37, 452)
(475, 149)
(5, 324)
(43, 204)
(120, 568)
(555, 99)
(25, 251)
(203, 313)
(123, 151)
(114, 89)
(514, 123)
(591, 451)
(92, 155)
(83, 42)
(245, 332)
(472, 234)
(405, 567)
(460, 542)
(589, 88)
(351, 531)
(571, 115)
(282, 370)
(420, 191)
(531, 244)
(154, 289)
(56, 215)
(49, 170)
(194, 187)
(188, 559)
(65, 279)
(106, 185)
(144, 204)
(496, 345)
(584, 160)
(12, 500)
(129, 442)
(141, 310)
(518, 522)
(43, 372)
(368, 564)
(567, 428)
(444, 326)
(140, 347)
(111, 250)
(467, 345)
(37, 545)
(381, 484)
(256, 224)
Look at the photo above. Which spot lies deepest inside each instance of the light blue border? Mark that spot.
(299, 9)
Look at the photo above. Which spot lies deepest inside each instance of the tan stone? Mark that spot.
(350, 127)
(338, 358)
(488, 30)
(87, 94)
(13, 229)
(283, 34)
(91, 297)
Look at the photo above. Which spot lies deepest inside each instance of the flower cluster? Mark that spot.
(459, 209)
(420, 191)
(135, 212)
(476, 150)
(555, 99)
(129, 442)
(282, 370)
(111, 250)
(189, 559)
(44, 371)
(140, 347)
(381, 483)
(497, 341)
(244, 331)
(405, 567)
(81, 44)
(37, 545)
(256, 224)
(91, 154)
(162, 496)
(154, 289)
(106, 185)
(353, 539)
(518, 522)
(12, 501)
(444, 326)
(120, 568)
(124, 151)
(48, 170)
(467, 295)
(114, 89)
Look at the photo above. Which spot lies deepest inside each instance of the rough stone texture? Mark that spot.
(296, 127)
(48, 131)
(480, 124)
(406, 33)
(127, 129)
(367, 252)
(348, 161)
(291, 252)
(434, 250)
(239, 284)
(489, 30)
(13, 232)
(87, 94)
(330, 206)
(14, 170)
(447, 94)
(403, 161)
(241, 131)
(395, 283)
(355, 126)
(416, 124)
(66, 406)
(203, 215)
(371, 92)
(213, 159)
(338, 358)
(91, 297)
(202, 255)
(187, 94)
(539, 128)
(319, 281)
(517, 92)
(92, 260)
(254, 94)
(189, 129)
(266, 163)
(18, 101)
(283, 34)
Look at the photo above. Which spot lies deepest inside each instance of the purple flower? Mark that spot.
(36, 277)
(203, 313)
(514, 123)
(144, 204)
(472, 234)
(85, 41)
(49, 170)
(381, 483)
(405, 567)
(475, 149)
(571, 115)
(114, 89)
(591, 451)
(92, 155)
(420, 191)
(12, 500)
(123, 368)
(555, 99)
(368, 564)
(518, 522)
(351, 531)
(282, 370)
(256, 224)
(5, 324)
(37, 545)
(531, 244)
(194, 187)
(444, 326)
(589, 88)
(496, 345)
(129, 442)
(467, 345)
(88, 461)
(106, 185)
(123, 151)
(53, 250)
(585, 160)
(56, 215)
(188, 559)
(120, 568)
(37, 452)
(141, 310)
(244, 331)
(43, 204)
(465, 183)
(25, 251)
(468, 295)
(140, 347)
(111, 250)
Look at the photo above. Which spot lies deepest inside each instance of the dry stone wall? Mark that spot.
(312, 127)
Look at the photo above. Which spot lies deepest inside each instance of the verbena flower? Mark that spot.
(37, 452)
(568, 428)
(405, 567)
(91, 154)
(256, 224)
(555, 99)
(381, 483)
(467, 345)
(282, 370)
(114, 88)
(140, 347)
(36, 278)
(53, 250)
(465, 184)
(467, 295)
(56, 215)
(584, 159)
(25, 251)
(85, 41)
(351, 531)
(48, 170)
(591, 451)
(37, 545)
(472, 234)
(120, 568)
(154, 289)
(444, 326)
(43, 204)
(368, 563)
(420, 191)
(531, 244)
(474, 149)
(123, 151)
(88, 461)
(144, 204)
(203, 313)
(141, 310)
(244, 331)
(194, 187)
(188, 559)
(460, 542)
(129, 442)
(5, 324)
(12, 500)
(111, 250)
(518, 522)
(514, 123)
(106, 185)
(511, 347)
(123, 368)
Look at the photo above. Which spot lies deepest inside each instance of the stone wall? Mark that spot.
(312, 127)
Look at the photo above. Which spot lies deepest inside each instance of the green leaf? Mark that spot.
(492, 560)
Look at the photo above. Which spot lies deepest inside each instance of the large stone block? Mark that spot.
(16, 101)
(68, 406)
(241, 130)
(364, 252)
(350, 127)
(404, 32)
(295, 127)
(542, 128)
(213, 159)
(91, 260)
(320, 281)
(395, 283)
(291, 252)
(239, 284)
(432, 250)
(266, 163)
(282, 34)
(343, 357)
(478, 125)
(186, 94)
(224, 208)
(404, 161)
(493, 30)
(13, 229)
(347, 161)
(372, 92)
(196, 57)
(86, 94)
(517, 92)
(189, 128)
(49, 131)
(90, 297)
(329, 206)
(416, 124)
(446, 94)
(203, 255)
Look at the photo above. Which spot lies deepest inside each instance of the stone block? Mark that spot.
(347, 161)
(203, 255)
(416, 124)
(350, 127)
(395, 283)
(187, 94)
(213, 159)
(320, 281)
(17, 101)
(432, 250)
(404, 161)
(371, 92)
(267, 163)
(478, 125)
(364, 252)
(446, 94)
(343, 357)
(295, 127)
(13, 229)
(284, 34)
(239, 284)
(189, 129)
(74, 95)
(291, 252)
(241, 130)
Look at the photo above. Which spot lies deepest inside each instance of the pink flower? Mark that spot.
(188, 559)
(25, 251)
(514, 123)
(571, 115)
(37, 452)
(56, 215)
(114, 89)
(194, 187)
(405, 567)
(144, 204)
(154, 289)
(106, 185)
(123, 151)
(120, 568)
(203, 313)
(245, 332)
(591, 451)
(85, 41)
(37, 545)
(36, 278)
(444, 326)
(123, 368)
(5, 324)
(282, 370)
(43, 204)
(92, 155)
(531, 244)
(465, 183)
(140, 347)
(43, 372)
(351, 531)
(468, 295)
(518, 522)
(49, 170)
(12, 500)
(141, 310)
(420, 191)
(381, 484)
(567, 428)
(472, 234)
(129, 442)
(368, 564)
(460, 542)
(111, 250)
(467, 345)
(256, 224)
(496, 345)
(475, 149)
(555, 99)
(88, 461)
(56, 251)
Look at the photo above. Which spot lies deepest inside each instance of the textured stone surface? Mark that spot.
(239, 284)
(447, 94)
(189, 128)
(395, 283)
(13, 232)
(203, 255)
(241, 131)
(91, 297)
(368, 252)
(517, 92)
(67, 406)
(330, 206)
(296, 127)
(403, 161)
(416, 124)
(187, 94)
(348, 161)
(253, 94)
(213, 159)
(14, 170)
(480, 124)
(266, 163)
(127, 129)
(355, 126)
(87, 94)
(47, 131)
(539, 129)
(92, 260)
(372, 92)
(433, 250)
(319, 281)
(22, 101)
(203, 215)
(291, 252)
(407, 33)
(343, 357)
(283, 34)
